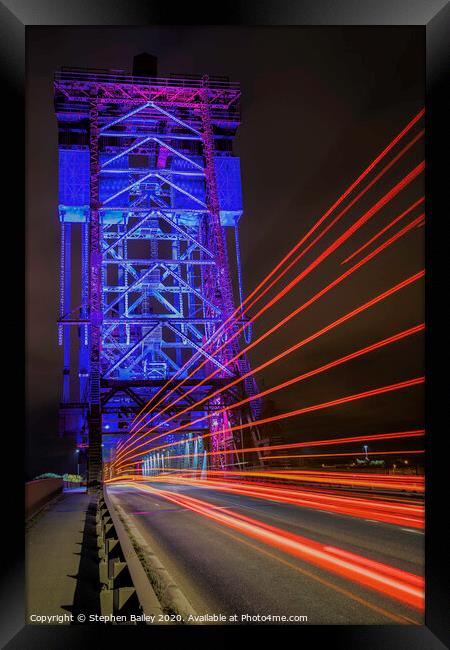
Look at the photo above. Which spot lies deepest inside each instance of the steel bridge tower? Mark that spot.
(148, 186)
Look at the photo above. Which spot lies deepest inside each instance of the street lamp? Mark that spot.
(78, 461)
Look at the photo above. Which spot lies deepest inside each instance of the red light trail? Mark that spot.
(366, 480)
(338, 217)
(301, 377)
(402, 514)
(388, 499)
(391, 582)
(369, 453)
(307, 409)
(313, 336)
(320, 258)
(318, 443)
(294, 313)
(361, 177)
(239, 310)
(385, 229)
(298, 345)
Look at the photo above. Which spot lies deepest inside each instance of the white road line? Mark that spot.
(413, 530)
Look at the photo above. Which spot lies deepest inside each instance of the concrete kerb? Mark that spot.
(170, 595)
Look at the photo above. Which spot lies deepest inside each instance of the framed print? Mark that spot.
(232, 322)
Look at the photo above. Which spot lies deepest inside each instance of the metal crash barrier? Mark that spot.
(126, 589)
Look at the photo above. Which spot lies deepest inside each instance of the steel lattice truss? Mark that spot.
(148, 178)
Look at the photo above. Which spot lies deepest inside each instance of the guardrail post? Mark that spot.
(118, 594)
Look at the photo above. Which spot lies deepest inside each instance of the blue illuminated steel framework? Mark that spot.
(148, 180)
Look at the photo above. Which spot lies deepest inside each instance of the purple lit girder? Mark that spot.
(152, 185)
(63, 331)
(95, 301)
(219, 282)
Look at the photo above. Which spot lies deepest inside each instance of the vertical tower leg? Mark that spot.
(95, 308)
(224, 287)
(65, 304)
(84, 314)
(223, 292)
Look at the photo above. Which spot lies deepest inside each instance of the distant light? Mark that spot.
(106, 426)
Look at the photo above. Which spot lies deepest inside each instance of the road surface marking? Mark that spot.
(413, 530)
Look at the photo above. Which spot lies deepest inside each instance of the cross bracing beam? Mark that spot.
(174, 346)
(162, 319)
(153, 134)
(178, 153)
(156, 172)
(216, 382)
(109, 93)
(164, 289)
(108, 347)
(129, 209)
(129, 352)
(200, 349)
(181, 230)
(130, 394)
(175, 119)
(168, 359)
(168, 262)
(157, 294)
(128, 188)
(125, 152)
(201, 297)
(130, 268)
(148, 118)
(134, 396)
(128, 233)
(124, 432)
(124, 117)
(165, 237)
(163, 179)
(195, 331)
(135, 304)
(140, 143)
(180, 189)
(146, 321)
(134, 362)
(131, 287)
(147, 234)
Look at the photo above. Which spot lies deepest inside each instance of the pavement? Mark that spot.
(222, 571)
(61, 558)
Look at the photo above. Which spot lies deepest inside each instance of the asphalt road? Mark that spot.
(223, 571)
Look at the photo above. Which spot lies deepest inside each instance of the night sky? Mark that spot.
(318, 104)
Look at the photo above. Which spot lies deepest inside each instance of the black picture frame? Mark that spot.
(15, 17)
